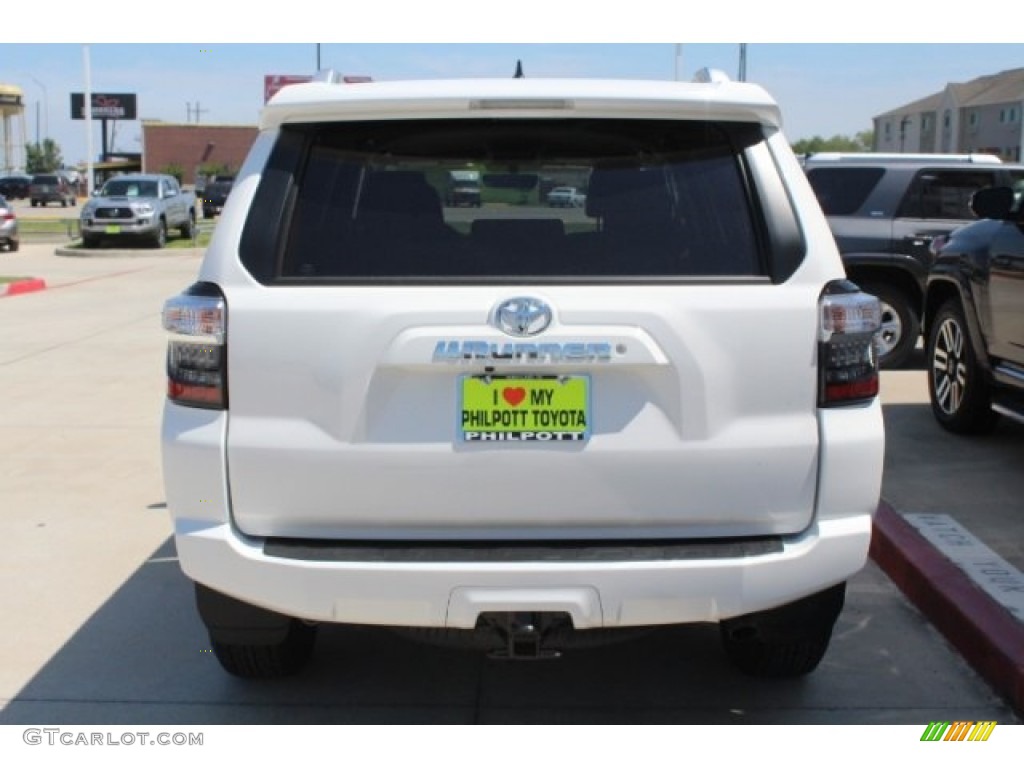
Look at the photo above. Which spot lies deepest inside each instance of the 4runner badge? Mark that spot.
(522, 316)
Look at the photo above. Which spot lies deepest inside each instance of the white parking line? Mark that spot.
(998, 578)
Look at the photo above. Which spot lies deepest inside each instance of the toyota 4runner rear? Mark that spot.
(519, 422)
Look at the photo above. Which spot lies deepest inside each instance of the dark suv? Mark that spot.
(885, 211)
(51, 188)
(974, 318)
(215, 195)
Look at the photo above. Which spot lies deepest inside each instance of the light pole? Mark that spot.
(46, 110)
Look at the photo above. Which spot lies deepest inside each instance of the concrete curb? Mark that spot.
(985, 633)
(29, 285)
(108, 253)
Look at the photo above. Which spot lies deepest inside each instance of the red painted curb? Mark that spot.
(24, 286)
(985, 633)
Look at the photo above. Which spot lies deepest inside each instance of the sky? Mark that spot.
(823, 88)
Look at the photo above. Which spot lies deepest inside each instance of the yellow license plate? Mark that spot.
(524, 409)
(113, 229)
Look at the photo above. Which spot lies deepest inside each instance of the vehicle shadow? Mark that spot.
(143, 658)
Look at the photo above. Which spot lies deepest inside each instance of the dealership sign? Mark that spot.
(105, 106)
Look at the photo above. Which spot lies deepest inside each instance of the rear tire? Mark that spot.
(90, 241)
(160, 238)
(960, 394)
(261, 662)
(188, 231)
(901, 325)
(784, 642)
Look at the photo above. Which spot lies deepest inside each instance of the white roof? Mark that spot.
(525, 97)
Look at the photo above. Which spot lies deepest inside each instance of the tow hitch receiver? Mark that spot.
(522, 636)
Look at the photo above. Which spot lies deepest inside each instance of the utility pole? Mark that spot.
(743, 63)
(46, 110)
(318, 57)
(190, 110)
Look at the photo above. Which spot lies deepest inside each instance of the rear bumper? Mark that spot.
(453, 594)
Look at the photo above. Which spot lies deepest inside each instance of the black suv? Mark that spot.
(885, 211)
(974, 318)
(215, 195)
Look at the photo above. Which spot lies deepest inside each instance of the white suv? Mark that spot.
(517, 422)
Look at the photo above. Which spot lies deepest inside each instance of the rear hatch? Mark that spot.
(641, 367)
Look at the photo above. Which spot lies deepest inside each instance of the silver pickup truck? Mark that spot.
(138, 207)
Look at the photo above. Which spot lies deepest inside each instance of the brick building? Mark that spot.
(194, 145)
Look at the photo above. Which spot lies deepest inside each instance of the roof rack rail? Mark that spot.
(906, 157)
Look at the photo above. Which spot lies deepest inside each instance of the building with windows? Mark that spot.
(983, 115)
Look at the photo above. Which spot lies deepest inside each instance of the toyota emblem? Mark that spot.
(522, 316)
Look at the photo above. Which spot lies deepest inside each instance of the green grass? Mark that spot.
(16, 278)
(202, 240)
(174, 242)
(28, 226)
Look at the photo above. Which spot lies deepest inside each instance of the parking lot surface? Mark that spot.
(103, 627)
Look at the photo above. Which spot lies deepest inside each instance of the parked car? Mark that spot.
(51, 188)
(8, 226)
(15, 187)
(462, 188)
(565, 197)
(140, 207)
(885, 210)
(215, 194)
(518, 426)
(974, 317)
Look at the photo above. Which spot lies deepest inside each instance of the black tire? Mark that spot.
(188, 231)
(261, 662)
(784, 642)
(13, 245)
(901, 325)
(958, 388)
(160, 238)
(90, 241)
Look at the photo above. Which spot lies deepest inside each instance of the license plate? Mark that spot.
(524, 409)
(113, 229)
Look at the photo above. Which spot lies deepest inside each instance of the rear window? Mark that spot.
(369, 201)
(842, 191)
(44, 180)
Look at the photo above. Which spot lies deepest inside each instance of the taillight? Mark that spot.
(847, 357)
(196, 352)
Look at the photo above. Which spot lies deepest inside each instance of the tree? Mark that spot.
(861, 142)
(211, 170)
(175, 170)
(43, 158)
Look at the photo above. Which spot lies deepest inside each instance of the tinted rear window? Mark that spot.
(376, 201)
(842, 191)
